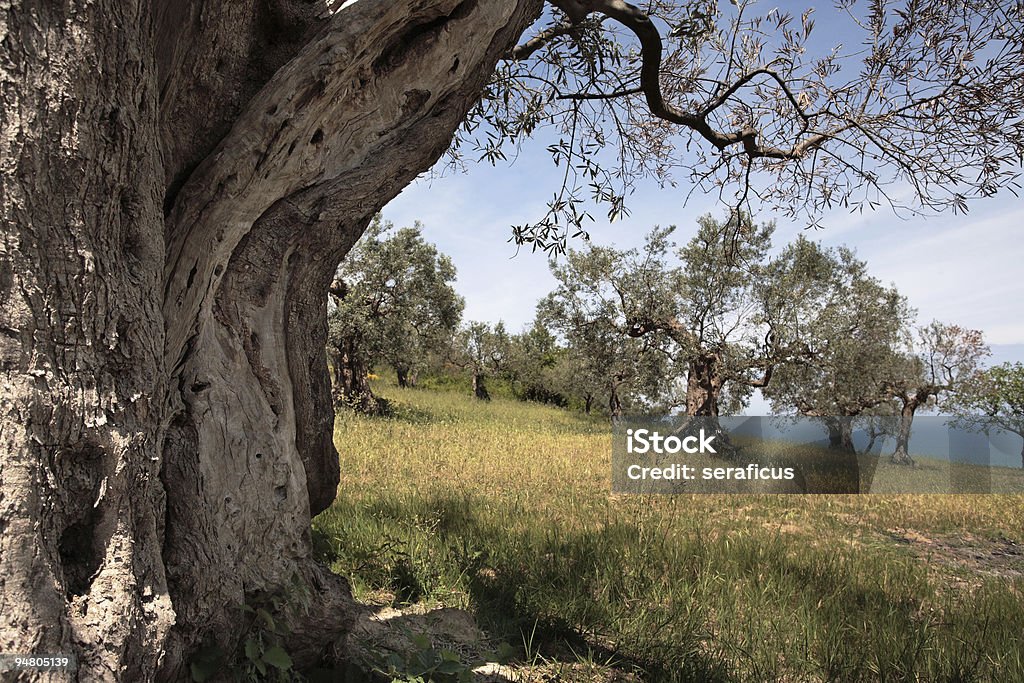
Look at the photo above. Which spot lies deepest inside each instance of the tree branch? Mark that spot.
(526, 50)
(650, 81)
(601, 95)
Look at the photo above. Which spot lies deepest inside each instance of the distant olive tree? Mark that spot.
(853, 327)
(484, 350)
(393, 303)
(942, 359)
(538, 367)
(717, 308)
(585, 313)
(992, 399)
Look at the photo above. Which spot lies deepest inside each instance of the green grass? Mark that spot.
(504, 508)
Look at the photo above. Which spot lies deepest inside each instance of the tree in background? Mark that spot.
(552, 370)
(710, 309)
(993, 398)
(393, 304)
(585, 379)
(713, 310)
(942, 360)
(539, 367)
(484, 351)
(584, 311)
(852, 326)
(181, 180)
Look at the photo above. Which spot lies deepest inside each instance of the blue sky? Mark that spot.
(962, 269)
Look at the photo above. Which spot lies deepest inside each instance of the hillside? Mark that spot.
(503, 509)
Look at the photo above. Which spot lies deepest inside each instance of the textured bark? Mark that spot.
(81, 348)
(704, 383)
(351, 378)
(180, 181)
(901, 456)
(480, 386)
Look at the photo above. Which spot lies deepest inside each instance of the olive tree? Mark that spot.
(853, 327)
(992, 399)
(484, 350)
(586, 313)
(908, 103)
(708, 307)
(181, 179)
(942, 359)
(539, 367)
(712, 306)
(393, 303)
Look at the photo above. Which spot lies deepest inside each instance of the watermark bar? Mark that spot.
(56, 662)
(776, 454)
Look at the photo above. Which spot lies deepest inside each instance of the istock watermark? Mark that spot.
(647, 441)
(775, 454)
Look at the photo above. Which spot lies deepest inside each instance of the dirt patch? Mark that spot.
(419, 641)
(999, 557)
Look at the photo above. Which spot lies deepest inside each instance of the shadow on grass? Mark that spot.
(534, 595)
(677, 604)
(397, 411)
(439, 645)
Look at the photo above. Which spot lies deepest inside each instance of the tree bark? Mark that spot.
(81, 352)
(480, 386)
(406, 376)
(180, 181)
(901, 456)
(703, 387)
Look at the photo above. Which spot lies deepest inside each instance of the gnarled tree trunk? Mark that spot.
(180, 180)
(406, 376)
(480, 386)
(614, 402)
(901, 456)
(840, 434)
(703, 387)
(352, 381)
(351, 376)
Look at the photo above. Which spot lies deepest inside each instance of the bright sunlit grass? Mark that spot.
(504, 508)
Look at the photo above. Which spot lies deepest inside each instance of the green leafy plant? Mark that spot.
(260, 654)
(424, 663)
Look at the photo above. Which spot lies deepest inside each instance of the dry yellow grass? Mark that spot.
(505, 508)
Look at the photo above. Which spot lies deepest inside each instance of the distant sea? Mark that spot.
(932, 437)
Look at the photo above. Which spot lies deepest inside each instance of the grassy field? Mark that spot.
(504, 509)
